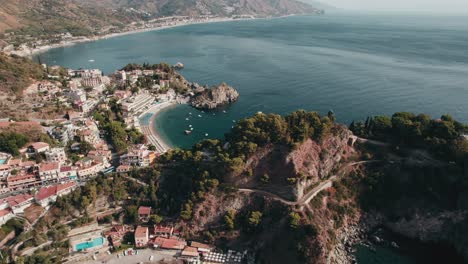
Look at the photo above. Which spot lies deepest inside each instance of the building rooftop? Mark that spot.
(200, 245)
(4, 212)
(190, 252)
(66, 168)
(39, 145)
(144, 210)
(16, 200)
(169, 243)
(48, 166)
(141, 231)
(47, 192)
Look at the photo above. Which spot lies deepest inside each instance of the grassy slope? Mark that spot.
(17, 73)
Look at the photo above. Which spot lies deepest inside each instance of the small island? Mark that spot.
(215, 97)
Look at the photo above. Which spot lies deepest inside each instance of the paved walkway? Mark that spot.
(142, 257)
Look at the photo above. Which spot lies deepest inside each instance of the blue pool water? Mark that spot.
(91, 244)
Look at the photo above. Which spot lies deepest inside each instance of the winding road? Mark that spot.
(306, 198)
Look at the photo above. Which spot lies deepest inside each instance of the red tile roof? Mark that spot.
(48, 166)
(16, 200)
(4, 212)
(47, 192)
(141, 231)
(144, 210)
(38, 145)
(64, 186)
(170, 243)
(163, 229)
(65, 168)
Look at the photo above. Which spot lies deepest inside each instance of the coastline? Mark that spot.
(150, 132)
(67, 43)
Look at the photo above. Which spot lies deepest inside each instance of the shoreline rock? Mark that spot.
(212, 98)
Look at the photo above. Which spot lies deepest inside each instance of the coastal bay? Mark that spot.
(335, 62)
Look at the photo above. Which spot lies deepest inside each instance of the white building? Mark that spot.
(137, 103)
(5, 215)
(49, 171)
(138, 156)
(17, 203)
(56, 155)
(76, 95)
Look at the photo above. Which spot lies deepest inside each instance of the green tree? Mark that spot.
(294, 219)
(255, 218)
(229, 219)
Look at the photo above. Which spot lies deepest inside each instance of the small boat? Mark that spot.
(224, 111)
(259, 112)
(233, 121)
(203, 111)
(186, 119)
(190, 125)
(190, 113)
(191, 128)
(91, 60)
(188, 132)
(206, 134)
(199, 115)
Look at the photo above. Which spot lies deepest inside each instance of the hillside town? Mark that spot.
(80, 145)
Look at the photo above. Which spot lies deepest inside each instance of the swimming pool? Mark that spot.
(2, 161)
(90, 244)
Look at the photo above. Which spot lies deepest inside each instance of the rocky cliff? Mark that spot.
(214, 97)
(292, 172)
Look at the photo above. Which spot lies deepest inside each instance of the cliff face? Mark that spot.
(292, 172)
(215, 97)
(423, 200)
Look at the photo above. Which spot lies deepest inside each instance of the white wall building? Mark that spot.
(56, 155)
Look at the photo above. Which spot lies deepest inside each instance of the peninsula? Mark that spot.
(214, 97)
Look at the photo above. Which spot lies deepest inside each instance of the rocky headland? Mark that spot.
(212, 98)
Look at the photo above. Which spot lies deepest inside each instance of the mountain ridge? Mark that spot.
(24, 16)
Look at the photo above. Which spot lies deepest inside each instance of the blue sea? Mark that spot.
(354, 64)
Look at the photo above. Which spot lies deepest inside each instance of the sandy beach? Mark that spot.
(152, 134)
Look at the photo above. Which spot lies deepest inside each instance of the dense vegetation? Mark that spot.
(190, 174)
(443, 136)
(11, 142)
(16, 73)
(111, 122)
(164, 71)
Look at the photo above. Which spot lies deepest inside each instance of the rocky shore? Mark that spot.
(212, 98)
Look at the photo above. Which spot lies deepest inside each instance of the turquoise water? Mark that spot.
(2, 161)
(94, 243)
(354, 64)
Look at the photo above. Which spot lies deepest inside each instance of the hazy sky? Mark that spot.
(456, 6)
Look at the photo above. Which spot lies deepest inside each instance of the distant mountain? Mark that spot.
(85, 17)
